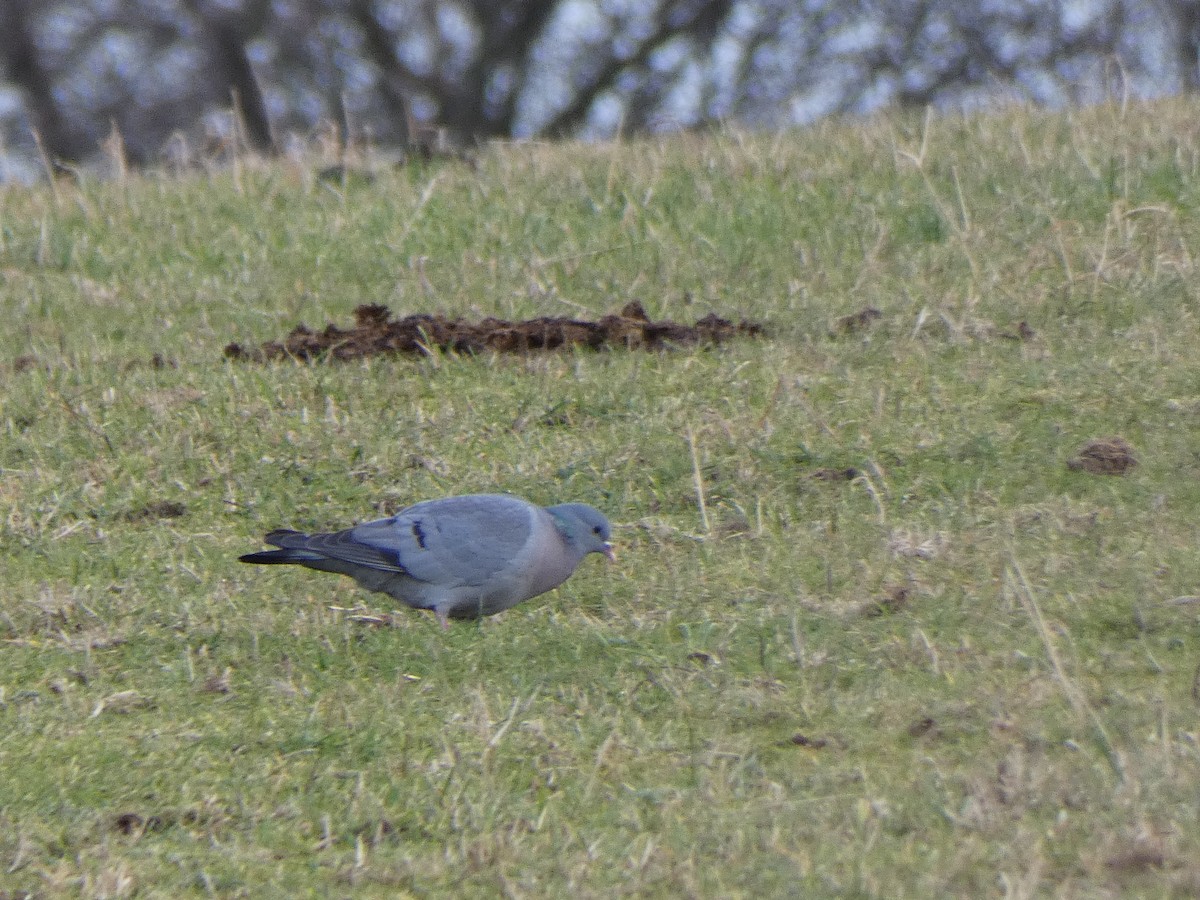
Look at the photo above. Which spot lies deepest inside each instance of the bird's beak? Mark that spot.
(610, 552)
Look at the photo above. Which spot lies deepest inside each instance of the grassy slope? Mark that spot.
(1025, 724)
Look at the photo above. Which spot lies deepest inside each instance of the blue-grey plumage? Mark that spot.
(462, 557)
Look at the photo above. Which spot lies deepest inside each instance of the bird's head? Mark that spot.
(585, 527)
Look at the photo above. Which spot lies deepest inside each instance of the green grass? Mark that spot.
(727, 711)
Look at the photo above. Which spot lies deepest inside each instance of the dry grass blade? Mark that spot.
(1071, 690)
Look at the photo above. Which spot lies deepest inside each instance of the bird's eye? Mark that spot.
(596, 529)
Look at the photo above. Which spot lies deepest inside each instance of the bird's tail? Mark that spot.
(286, 555)
(275, 557)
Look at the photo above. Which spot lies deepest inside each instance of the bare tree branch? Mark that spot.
(698, 21)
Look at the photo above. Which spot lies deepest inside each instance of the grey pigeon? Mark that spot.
(462, 557)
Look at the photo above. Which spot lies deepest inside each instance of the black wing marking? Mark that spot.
(419, 534)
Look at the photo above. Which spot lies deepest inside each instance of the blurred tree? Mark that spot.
(24, 67)
(226, 35)
(389, 71)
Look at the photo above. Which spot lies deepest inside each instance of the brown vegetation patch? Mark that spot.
(133, 823)
(1023, 333)
(1139, 858)
(375, 332)
(831, 474)
(858, 321)
(219, 683)
(156, 510)
(23, 362)
(1104, 456)
(922, 727)
(893, 601)
(804, 740)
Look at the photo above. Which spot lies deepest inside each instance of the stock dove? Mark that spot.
(461, 557)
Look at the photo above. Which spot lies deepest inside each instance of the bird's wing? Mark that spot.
(337, 545)
(455, 541)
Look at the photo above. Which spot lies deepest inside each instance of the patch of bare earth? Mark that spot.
(375, 333)
(1104, 456)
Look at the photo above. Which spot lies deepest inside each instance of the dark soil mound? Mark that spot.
(374, 332)
(1104, 456)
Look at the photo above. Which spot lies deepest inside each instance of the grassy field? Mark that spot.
(961, 669)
